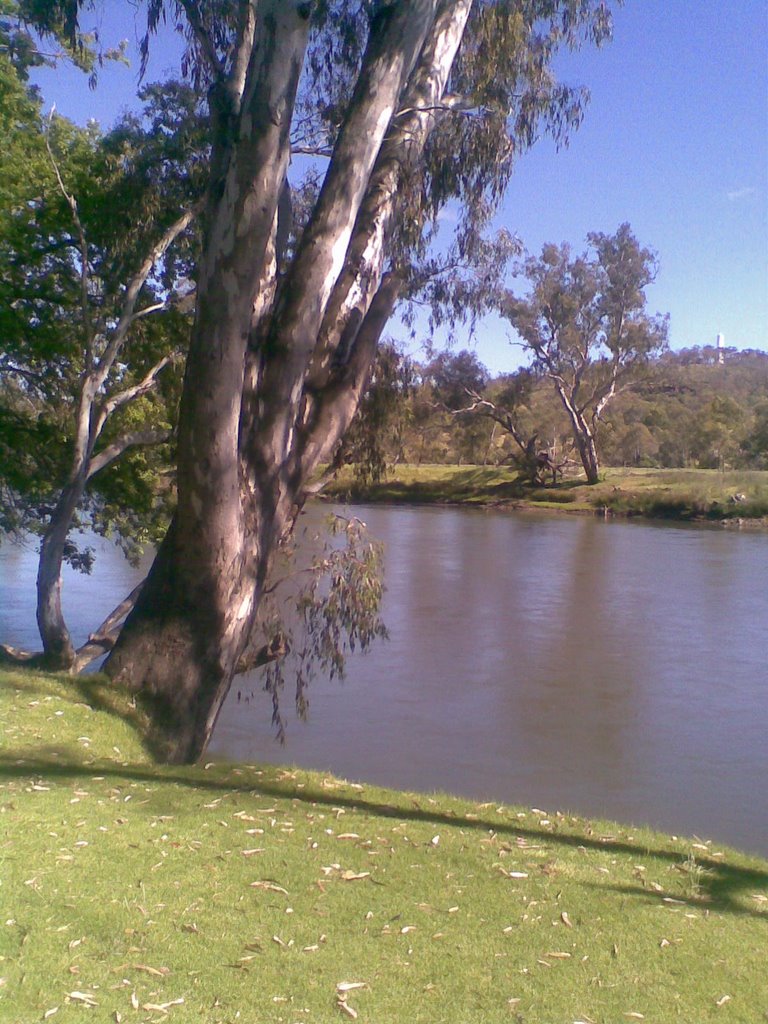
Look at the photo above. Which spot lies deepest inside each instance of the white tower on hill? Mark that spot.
(721, 348)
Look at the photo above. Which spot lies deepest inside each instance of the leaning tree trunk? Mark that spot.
(58, 649)
(583, 436)
(270, 385)
(585, 444)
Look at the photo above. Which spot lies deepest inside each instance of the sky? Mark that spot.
(675, 142)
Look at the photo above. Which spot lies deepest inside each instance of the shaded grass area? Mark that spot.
(688, 495)
(231, 893)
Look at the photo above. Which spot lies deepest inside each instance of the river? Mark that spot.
(611, 668)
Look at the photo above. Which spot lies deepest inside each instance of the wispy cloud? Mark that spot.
(735, 194)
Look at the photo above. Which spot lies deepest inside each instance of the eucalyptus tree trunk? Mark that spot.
(585, 443)
(58, 649)
(276, 367)
(583, 435)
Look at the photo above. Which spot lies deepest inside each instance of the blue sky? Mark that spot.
(675, 141)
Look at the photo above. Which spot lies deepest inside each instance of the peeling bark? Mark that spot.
(268, 390)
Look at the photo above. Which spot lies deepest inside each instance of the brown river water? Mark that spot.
(616, 669)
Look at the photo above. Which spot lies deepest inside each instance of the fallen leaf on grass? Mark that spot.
(566, 920)
(559, 956)
(251, 853)
(722, 1000)
(345, 1008)
(161, 1007)
(50, 1013)
(83, 997)
(158, 972)
(349, 986)
(271, 886)
(354, 876)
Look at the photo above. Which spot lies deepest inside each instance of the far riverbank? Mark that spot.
(738, 498)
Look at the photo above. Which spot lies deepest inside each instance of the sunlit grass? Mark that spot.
(132, 892)
(694, 494)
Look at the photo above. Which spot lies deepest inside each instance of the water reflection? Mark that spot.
(611, 668)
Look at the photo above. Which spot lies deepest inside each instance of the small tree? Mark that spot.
(585, 324)
(375, 440)
(94, 241)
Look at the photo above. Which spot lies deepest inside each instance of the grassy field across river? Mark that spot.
(684, 494)
(246, 893)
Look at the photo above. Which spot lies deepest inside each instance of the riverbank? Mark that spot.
(248, 892)
(688, 495)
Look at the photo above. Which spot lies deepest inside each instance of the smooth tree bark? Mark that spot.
(277, 366)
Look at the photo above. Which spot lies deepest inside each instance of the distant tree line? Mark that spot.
(687, 410)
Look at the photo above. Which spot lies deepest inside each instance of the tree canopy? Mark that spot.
(585, 323)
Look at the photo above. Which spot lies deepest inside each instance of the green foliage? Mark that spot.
(55, 321)
(334, 612)
(584, 319)
(375, 439)
(456, 377)
(694, 411)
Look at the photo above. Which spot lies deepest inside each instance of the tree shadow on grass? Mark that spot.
(95, 691)
(721, 886)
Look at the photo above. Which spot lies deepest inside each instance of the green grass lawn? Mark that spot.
(132, 892)
(688, 494)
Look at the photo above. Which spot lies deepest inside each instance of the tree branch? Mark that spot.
(403, 145)
(139, 438)
(203, 38)
(134, 288)
(246, 33)
(123, 397)
(104, 638)
(83, 246)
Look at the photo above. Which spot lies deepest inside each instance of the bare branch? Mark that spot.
(252, 659)
(484, 407)
(319, 151)
(150, 309)
(129, 394)
(104, 638)
(448, 103)
(134, 288)
(139, 438)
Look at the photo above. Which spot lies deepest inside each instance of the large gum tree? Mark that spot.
(410, 106)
